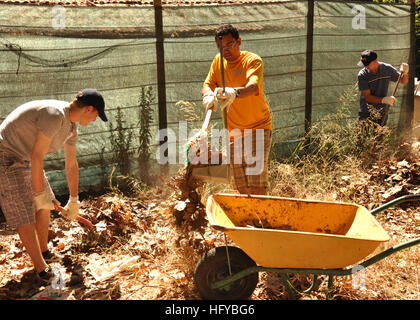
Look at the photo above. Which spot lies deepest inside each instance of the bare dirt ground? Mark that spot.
(146, 247)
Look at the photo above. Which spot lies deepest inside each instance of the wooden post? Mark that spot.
(405, 124)
(309, 66)
(161, 81)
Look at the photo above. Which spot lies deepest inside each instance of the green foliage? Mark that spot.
(339, 147)
(338, 136)
(145, 115)
(122, 145)
(121, 138)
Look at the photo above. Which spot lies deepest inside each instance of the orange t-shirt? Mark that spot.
(244, 113)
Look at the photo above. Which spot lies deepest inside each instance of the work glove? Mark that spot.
(44, 201)
(404, 68)
(228, 97)
(389, 100)
(71, 210)
(210, 101)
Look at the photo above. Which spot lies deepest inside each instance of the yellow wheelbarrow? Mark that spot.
(286, 235)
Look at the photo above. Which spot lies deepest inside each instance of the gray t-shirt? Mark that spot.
(51, 117)
(377, 83)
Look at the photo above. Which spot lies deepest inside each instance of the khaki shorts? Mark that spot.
(16, 190)
(249, 159)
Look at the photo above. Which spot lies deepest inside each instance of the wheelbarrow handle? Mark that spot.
(412, 197)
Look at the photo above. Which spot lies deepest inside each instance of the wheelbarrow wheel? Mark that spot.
(213, 267)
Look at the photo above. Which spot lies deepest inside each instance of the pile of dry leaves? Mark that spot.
(134, 251)
(147, 246)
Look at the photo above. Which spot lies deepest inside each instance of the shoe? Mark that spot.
(45, 275)
(50, 257)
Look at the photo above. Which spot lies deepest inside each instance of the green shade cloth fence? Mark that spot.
(52, 52)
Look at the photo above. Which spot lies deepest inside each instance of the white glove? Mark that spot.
(404, 68)
(43, 201)
(210, 102)
(228, 96)
(71, 210)
(389, 100)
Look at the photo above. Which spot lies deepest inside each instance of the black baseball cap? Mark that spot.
(92, 97)
(367, 57)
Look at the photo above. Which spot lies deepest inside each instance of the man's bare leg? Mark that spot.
(29, 237)
(42, 225)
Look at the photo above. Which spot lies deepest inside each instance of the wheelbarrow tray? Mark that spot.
(279, 232)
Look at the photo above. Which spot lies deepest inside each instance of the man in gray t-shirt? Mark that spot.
(27, 135)
(18, 131)
(373, 82)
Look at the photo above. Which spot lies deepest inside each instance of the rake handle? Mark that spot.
(207, 120)
(222, 69)
(209, 112)
(83, 221)
(393, 93)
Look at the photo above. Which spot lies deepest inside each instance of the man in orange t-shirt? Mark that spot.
(248, 115)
